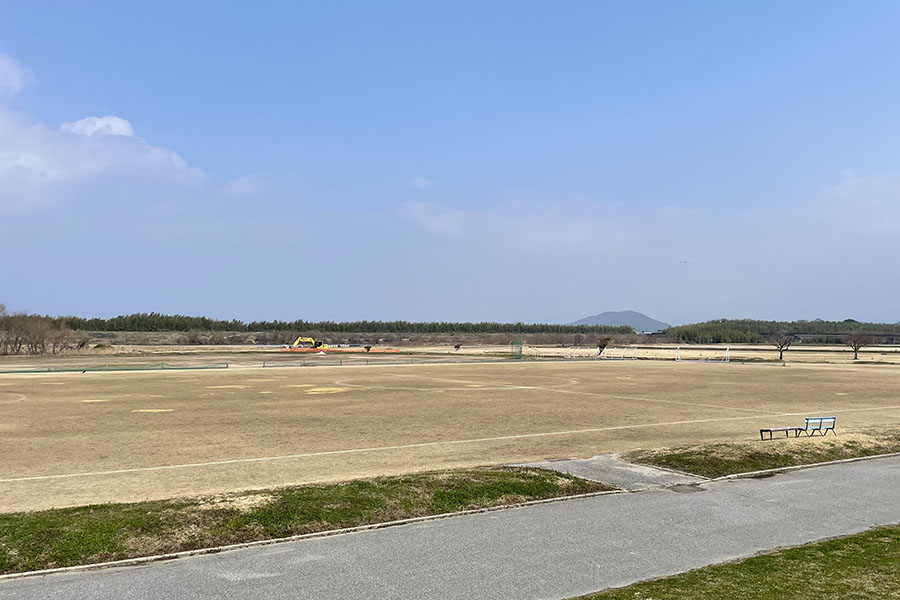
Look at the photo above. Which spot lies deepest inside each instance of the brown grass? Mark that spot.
(384, 420)
(716, 460)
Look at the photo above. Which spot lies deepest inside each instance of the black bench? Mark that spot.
(787, 431)
(813, 424)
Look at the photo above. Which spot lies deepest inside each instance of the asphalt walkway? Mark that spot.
(557, 550)
(607, 468)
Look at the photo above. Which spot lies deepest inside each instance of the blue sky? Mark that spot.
(460, 161)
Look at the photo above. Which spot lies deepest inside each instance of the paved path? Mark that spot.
(607, 468)
(557, 550)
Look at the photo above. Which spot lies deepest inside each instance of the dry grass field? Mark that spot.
(76, 438)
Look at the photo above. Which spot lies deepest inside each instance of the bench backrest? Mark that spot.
(820, 422)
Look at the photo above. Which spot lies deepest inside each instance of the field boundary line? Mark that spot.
(373, 449)
(411, 446)
(128, 562)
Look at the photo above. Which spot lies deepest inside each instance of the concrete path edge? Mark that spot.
(130, 562)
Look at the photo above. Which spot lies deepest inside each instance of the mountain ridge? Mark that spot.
(638, 321)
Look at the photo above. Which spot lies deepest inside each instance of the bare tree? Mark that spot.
(37, 330)
(32, 334)
(602, 343)
(15, 333)
(782, 342)
(857, 341)
(194, 336)
(4, 330)
(60, 340)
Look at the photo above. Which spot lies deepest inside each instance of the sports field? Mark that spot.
(77, 438)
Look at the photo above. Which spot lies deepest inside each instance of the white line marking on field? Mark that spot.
(597, 394)
(422, 445)
(658, 400)
(16, 397)
(372, 449)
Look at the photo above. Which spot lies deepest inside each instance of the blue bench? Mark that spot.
(821, 424)
(813, 424)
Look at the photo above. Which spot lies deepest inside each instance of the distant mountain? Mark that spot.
(638, 321)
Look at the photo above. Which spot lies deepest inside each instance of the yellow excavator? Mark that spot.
(313, 343)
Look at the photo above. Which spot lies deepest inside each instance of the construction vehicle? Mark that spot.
(313, 343)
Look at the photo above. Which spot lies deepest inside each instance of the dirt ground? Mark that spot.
(257, 355)
(78, 438)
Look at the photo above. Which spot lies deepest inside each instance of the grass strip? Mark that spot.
(716, 460)
(104, 532)
(862, 566)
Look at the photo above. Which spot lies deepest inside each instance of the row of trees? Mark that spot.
(33, 334)
(856, 341)
(747, 331)
(161, 322)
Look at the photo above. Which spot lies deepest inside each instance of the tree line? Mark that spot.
(748, 331)
(34, 334)
(161, 322)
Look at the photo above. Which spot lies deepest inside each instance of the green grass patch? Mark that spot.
(90, 534)
(862, 566)
(716, 460)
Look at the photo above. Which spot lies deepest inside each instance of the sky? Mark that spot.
(458, 161)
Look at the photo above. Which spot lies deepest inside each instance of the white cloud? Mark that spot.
(544, 224)
(247, 186)
(33, 154)
(13, 76)
(108, 125)
(434, 219)
(870, 201)
(420, 183)
(41, 163)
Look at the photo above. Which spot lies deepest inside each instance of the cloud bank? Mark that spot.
(41, 163)
(13, 76)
